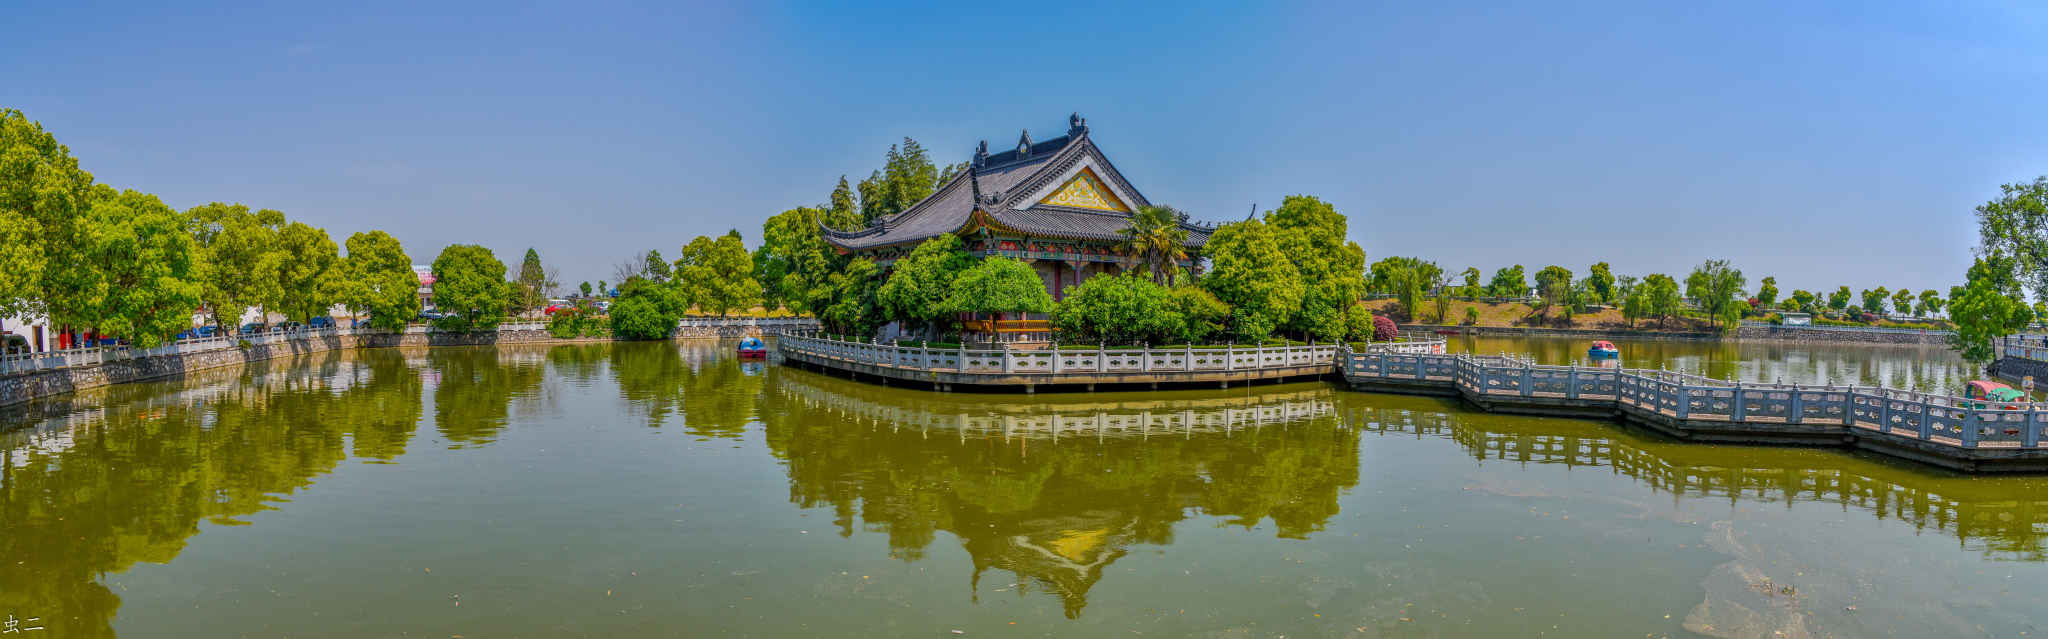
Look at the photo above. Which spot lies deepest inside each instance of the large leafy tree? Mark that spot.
(378, 279)
(1252, 274)
(1839, 300)
(43, 195)
(1713, 285)
(1767, 291)
(308, 276)
(1802, 300)
(999, 285)
(131, 270)
(1553, 286)
(1874, 299)
(1408, 279)
(794, 262)
(1472, 288)
(1930, 303)
(242, 258)
(907, 176)
(647, 309)
(917, 287)
(1600, 281)
(1509, 282)
(1313, 236)
(1902, 301)
(2015, 224)
(1988, 308)
(470, 286)
(1120, 310)
(1656, 297)
(717, 275)
(1154, 240)
(845, 301)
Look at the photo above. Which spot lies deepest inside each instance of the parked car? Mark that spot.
(361, 323)
(324, 321)
(206, 331)
(431, 315)
(253, 328)
(286, 327)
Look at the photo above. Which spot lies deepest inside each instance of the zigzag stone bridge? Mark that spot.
(1936, 429)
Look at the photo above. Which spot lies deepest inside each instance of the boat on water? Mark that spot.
(1603, 349)
(753, 348)
(1983, 394)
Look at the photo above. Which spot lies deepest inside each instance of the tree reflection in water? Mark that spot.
(108, 477)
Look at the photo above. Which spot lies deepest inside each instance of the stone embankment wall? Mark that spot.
(2015, 368)
(1780, 334)
(15, 389)
(1520, 331)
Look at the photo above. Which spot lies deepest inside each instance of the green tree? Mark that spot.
(1408, 279)
(1902, 301)
(1767, 292)
(646, 309)
(242, 258)
(1121, 310)
(131, 270)
(1312, 235)
(584, 289)
(532, 288)
(1989, 307)
(844, 212)
(1839, 300)
(1930, 303)
(1803, 300)
(1553, 286)
(716, 275)
(1254, 277)
(1600, 282)
(846, 301)
(1472, 288)
(1624, 286)
(1509, 283)
(379, 280)
(1874, 300)
(1154, 240)
(906, 177)
(603, 289)
(999, 285)
(469, 285)
(2015, 224)
(657, 269)
(308, 278)
(1201, 314)
(1658, 297)
(916, 290)
(797, 256)
(43, 195)
(1714, 286)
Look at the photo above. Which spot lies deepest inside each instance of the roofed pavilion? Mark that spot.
(1058, 205)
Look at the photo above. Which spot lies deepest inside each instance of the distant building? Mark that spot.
(1796, 319)
(426, 275)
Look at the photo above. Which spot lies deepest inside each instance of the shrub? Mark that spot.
(1383, 329)
(1472, 315)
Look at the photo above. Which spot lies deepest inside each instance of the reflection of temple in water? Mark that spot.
(1055, 492)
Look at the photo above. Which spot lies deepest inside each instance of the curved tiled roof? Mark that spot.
(1003, 181)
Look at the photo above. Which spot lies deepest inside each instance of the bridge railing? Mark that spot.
(96, 355)
(1066, 359)
(1932, 417)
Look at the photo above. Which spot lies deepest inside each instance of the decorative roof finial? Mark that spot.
(1024, 145)
(1076, 125)
(981, 154)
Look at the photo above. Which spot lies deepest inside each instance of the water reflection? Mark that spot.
(1055, 490)
(1920, 368)
(108, 477)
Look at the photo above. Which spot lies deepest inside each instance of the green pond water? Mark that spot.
(667, 489)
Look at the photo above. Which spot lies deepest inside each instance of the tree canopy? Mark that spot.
(918, 286)
(1311, 233)
(378, 279)
(1252, 274)
(2015, 225)
(716, 276)
(999, 285)
(470, 286)
(1990, 306)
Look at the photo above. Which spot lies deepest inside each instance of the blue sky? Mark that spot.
(1824, 143)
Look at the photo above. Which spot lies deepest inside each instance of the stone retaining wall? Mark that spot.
(16, 389)
(1814, 335)
(2014, 368)
(1521, 331)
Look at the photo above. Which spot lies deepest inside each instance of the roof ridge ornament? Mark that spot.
(1076, 125)
(1024, 145)
(981, 154)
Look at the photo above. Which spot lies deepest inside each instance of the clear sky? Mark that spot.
(1824, 143)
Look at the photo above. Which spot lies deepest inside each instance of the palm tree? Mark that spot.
(1156, 240)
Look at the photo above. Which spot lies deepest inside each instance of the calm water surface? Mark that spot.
(663, 489)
